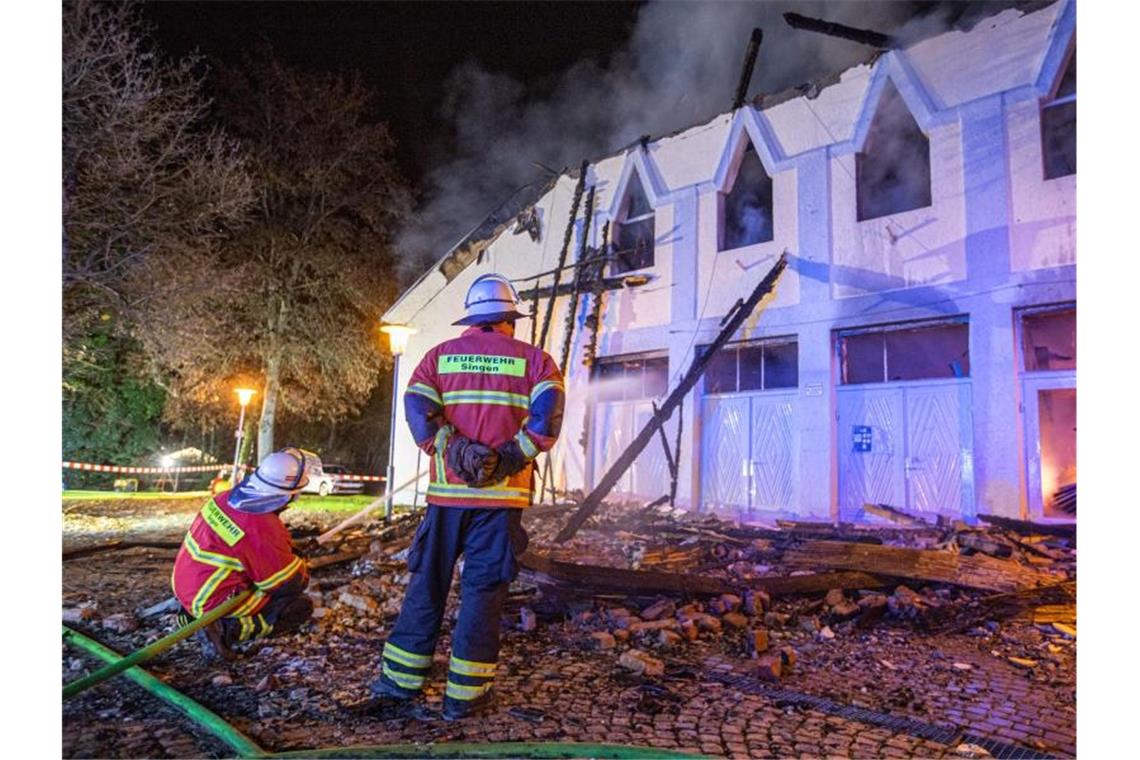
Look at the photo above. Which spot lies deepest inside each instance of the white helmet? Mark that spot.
(491, 298)
(275, 482)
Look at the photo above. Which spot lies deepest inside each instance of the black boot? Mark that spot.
(212, 640)
(457, 709)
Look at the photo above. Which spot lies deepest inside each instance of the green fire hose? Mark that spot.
(210, 721)
(152, 650)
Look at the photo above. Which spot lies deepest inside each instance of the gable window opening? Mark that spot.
(633, 237)
(892, 173)
(746, 209)
(896, 353)
(1059, 125)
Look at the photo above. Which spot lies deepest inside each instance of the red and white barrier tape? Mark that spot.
(117, 468)
(142, 470)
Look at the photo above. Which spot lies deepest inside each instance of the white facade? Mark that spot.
(995, 240)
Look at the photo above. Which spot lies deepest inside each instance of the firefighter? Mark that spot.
(482, 406)
(237, 541)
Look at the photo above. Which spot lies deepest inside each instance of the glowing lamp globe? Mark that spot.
(244, 395)
(398, 337)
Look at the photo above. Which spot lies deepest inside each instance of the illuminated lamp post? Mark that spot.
(167, 463)
(397, 343)
(244, 395)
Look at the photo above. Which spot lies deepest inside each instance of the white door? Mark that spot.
(939, 449)
(1050, 403)
(775, 452)
(616, 424)
(612, 433)
(871, 448)
(906, 445)
(750, 451)
(725, 455)
(650, 472)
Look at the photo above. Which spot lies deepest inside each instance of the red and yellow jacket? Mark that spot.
(490, 388)
(225, 551)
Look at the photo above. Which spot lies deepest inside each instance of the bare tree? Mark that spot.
(146, 186)
(149, 190)
(313, 271)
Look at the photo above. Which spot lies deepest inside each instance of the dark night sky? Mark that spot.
(477, 93)
(403, 50)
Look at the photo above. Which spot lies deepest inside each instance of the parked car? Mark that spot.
(327, 479)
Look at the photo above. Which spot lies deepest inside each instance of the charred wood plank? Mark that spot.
(749, 64)
(831, 29)
(588, 578)
(1026, 528)
(696, 369)
(616, 579)
(979, 572)
(894, 515)
(817, 583)
(984, 545)
(579, 277)
(581, 186)
(567, 288)
(115, 546)
(1055, 600)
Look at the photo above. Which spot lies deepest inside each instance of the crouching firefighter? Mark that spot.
(482, 406)
(237, 542)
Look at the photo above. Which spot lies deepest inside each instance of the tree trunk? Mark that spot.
(269, 408)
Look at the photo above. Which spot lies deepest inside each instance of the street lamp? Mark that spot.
(244, 395)
(167, 463)
(397, 343)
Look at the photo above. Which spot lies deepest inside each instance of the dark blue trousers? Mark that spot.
(491, 540)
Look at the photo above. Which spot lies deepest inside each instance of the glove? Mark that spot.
(469, 459)
(509, 459)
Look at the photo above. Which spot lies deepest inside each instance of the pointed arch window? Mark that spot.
(892, 173)
(746, 209)
(1059, 125)
(633, 237)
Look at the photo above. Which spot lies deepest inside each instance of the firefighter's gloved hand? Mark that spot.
(510, 460)
(466, 458)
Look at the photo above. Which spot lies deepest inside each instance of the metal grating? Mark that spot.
(949, 735)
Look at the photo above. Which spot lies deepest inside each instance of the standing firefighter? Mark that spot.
(237, 541)
(482, 406)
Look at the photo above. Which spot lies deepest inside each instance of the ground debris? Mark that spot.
(598, 654)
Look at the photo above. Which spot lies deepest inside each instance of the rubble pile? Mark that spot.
(641, 616)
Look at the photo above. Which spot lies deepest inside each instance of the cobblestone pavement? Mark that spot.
(299, 691)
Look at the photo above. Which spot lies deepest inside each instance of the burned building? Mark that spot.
(920, 349)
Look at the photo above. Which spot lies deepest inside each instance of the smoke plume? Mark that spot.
(679, 68)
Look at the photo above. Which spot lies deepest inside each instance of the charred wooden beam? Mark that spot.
(696, 369)
(981, 543)
(588, 578)
(579, 278)
(578, 189)
(567, 288)
(746, 71)
(115, 546)
(830, 28)
(1055, 601)
(1026, 528)
(594, 319)
(976, 571)
(893, 514)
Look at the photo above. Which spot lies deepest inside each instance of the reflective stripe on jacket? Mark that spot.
(225, 551)
(490, 388)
